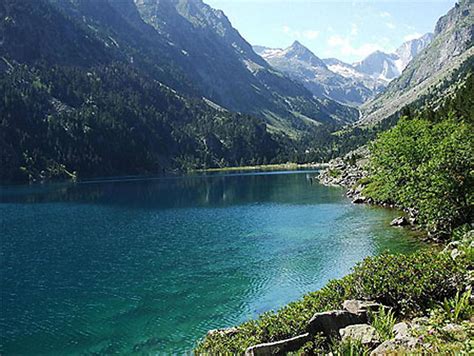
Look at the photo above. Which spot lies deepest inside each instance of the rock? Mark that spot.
(366, 334)
(401, 330)
(330, 322)
(456, 253)
(455, 331)
(402, 344)
(278, 347)
(360, 306)
(400, 221)
(452, 246)
(223, 332)
(358, 200)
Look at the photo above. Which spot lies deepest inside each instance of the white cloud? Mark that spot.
(385, 14)
(308, 34)
(412, 36)
(311, 34)
(354, 29)
(345, 47)
(391, 25)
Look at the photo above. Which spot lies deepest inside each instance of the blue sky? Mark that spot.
(348, 30)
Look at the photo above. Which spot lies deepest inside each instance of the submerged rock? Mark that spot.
(400, 221)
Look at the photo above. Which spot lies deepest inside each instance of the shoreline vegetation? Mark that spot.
(264, 167)
(424, 165)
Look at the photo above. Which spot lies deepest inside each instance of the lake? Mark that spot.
(146, 265)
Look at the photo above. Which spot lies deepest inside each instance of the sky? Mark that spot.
(345, 29)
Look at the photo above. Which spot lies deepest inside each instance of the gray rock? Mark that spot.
(224, 332)
(400, 221)
(401, 330)
(360, 306)
(278, 347)
(402, 344)
(366, 334)
(455, 331)
(456, 253)
(358, 200)
(330, 322)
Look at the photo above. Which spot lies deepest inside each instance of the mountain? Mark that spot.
(435, 71)
(352, 84)
(226, 70)
(388, 66)
(300, 64)
(111, 87)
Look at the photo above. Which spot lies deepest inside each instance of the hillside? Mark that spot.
(434, 72)
(75, 106)
(98, 91)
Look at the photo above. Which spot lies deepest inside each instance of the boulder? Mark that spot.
(366, 334)
(400, 221)
(278, 347)
(361, 306)
(401, 330)
(223, 332)
(358, 200)
(455, 331)
(330, 322)
(456, 253)
(401, 345)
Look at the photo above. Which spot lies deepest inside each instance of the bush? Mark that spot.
(427, 166)
(349, 347)
(459, 307)
(411, 283)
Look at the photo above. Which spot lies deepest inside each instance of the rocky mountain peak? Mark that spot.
(302, 53)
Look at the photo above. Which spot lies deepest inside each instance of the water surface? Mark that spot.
(141, 266)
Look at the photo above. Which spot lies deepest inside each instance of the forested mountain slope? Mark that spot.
(90, 89)
(74, 103)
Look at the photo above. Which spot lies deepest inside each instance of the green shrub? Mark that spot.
(334, 173)
(427, 166)
(410, 283)
(349, 347)
(383, 321)
(459, 307)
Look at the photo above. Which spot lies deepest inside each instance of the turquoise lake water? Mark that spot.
(148, 266)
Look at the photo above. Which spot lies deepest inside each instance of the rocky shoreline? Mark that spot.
(352, 174)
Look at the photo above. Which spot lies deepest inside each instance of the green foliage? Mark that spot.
(349, 347)
(383, 321)
(334, 173)
(459, 307)
(426, 166)
(87, 121)
(411, 283)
